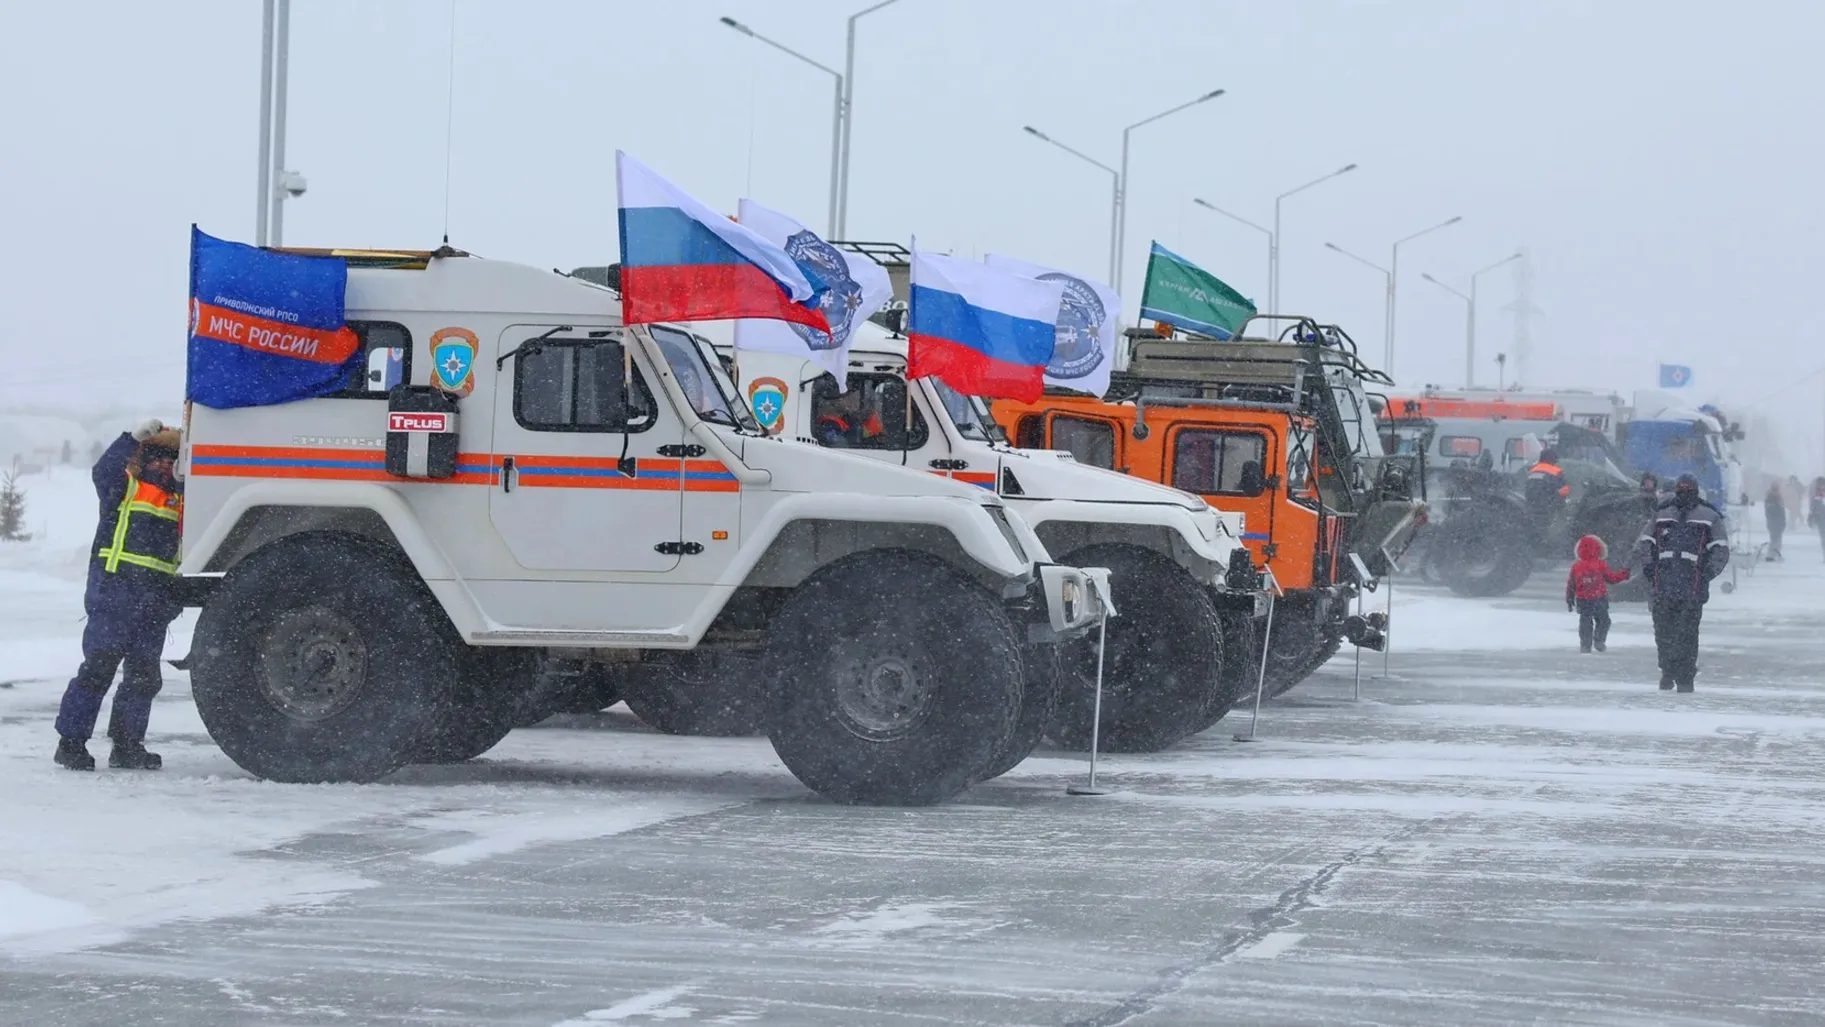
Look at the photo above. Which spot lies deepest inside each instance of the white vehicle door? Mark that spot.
(589, 465)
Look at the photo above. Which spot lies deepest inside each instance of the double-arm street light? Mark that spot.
(1273, 238)
(1115, 202)
(1470, 316)
(848, 117)
(1394, 281)
(1118, 213)
(1272, 246)
(1387, 297)
(836, 118)
(842, 127)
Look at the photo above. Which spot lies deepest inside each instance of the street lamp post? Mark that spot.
(276, 183)
(1121, 188)
(1115, 199)
(1273, 250)
(265, 188)
(848, 117)
(1470, 327)
(1470, 347)
(1387, 297)
(1469, 322)
(281, 73)
(836, 117)
(1394, 279)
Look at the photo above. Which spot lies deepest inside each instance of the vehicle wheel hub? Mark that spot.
(313, 663)
(885, 697)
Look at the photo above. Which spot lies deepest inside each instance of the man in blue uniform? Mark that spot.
(1683, 548)
(129, 599)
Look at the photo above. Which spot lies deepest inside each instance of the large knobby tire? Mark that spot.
(1040, 668)
(484, 706)
(1163, 666)
(716, 693)
(1241, 664)
(1292, 647)
(899, 680)
(1481, 553)
(322, 658)
(1327, 647)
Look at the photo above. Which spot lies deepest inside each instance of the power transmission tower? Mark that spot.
(1521, 351)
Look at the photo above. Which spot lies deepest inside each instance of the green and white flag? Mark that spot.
(1184, 295)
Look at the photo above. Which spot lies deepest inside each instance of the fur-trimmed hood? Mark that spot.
(1590, 547)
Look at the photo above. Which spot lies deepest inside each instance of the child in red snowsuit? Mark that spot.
(1587, 590)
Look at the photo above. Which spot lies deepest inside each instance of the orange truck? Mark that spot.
(1278, 427)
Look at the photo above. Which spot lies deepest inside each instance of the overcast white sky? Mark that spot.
(1660, 159)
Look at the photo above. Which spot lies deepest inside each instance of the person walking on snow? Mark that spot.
(1816, 509)
(1774, 509)
(1682, 549)
(1587, 590)
(129, 599)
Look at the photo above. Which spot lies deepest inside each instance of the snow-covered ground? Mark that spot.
(1503, 831)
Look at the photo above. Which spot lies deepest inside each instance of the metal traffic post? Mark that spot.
(1368, 583)
(1387, 631)
(1096, 712)
(1267, 641)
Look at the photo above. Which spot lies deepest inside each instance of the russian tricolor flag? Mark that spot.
(681, 261)
(981, 330)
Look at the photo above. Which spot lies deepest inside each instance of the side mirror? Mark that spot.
(1251, 482)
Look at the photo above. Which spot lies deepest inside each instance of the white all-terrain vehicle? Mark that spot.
(519, 481)
(1182, 650)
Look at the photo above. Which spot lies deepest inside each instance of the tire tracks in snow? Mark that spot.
(1278, 916)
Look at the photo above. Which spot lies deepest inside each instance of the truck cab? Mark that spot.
(1179, 566)
(1276, 427)
(387, 568)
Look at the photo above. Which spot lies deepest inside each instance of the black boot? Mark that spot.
(1666, 682)
(73, 754)
(1685, 686)
(133, 756)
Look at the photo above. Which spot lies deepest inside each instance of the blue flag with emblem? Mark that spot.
(1675, 376)
(265, 327)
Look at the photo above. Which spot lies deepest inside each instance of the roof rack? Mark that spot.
(397, 260)
(887, 254)
(1244, 360)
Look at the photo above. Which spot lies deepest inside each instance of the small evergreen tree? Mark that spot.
(12, 507)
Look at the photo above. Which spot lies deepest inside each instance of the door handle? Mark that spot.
(507, 472)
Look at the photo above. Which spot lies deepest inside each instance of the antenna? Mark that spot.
(449, 119)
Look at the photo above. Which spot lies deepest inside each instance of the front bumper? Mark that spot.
(1064, 602)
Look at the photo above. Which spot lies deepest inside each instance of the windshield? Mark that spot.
(1353, 408)
(700, 374)
(968, 413)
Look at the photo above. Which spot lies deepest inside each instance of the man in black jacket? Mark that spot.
(1684, 547)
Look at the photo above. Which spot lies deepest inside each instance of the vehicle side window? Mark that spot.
(1089, 442)
(1030, 432)
(386, 360)
(1459, 445)
(870, 415)
(1211, 462)
(563, 385)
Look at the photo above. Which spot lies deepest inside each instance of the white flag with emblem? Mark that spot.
(1085, 353)
(855, 287)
